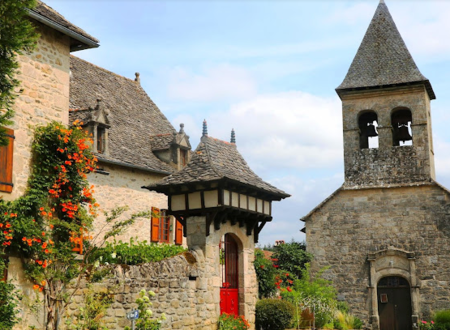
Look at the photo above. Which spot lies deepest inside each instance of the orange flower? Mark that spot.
(43, 283)
(44, 245)
(41, 209)
(35, 287)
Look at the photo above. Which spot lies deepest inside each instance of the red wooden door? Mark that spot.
(229, 292)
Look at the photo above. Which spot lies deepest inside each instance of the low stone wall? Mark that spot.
(180, 287)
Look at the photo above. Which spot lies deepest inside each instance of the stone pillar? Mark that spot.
(374, 318)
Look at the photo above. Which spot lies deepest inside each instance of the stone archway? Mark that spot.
(392, 263)
(394, 303)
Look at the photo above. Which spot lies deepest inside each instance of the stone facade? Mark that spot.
(388, 165)
(123, 187)
(43, 97)
(385, 233)
(354, 224)
(187, 286)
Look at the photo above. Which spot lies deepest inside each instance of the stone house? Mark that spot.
(385, 233)
(135, 143)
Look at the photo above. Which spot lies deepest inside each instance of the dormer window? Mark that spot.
(183, 157)
(101, 139)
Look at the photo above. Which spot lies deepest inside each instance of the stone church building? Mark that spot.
(385, 233)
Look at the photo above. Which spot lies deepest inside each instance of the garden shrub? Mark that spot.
(346, 321)
(232, 322)
(273, 314)
(135, 252)
(146, 320)
(265, 274)
(442, 320)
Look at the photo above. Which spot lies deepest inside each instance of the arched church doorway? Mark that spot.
(394, 303)
(229, 259)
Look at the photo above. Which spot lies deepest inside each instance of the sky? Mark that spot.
(268, 69)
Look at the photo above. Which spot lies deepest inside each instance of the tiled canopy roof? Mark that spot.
(214, 160)
(383, 58)
(133, 117)
(61, 23)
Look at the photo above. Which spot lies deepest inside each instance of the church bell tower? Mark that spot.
(386, 112)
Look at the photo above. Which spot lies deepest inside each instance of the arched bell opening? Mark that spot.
(229, 269)
(394, 303)
(368, 135)
(401, 120)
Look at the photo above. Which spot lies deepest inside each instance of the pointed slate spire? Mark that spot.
(383, 58)
(205, 128)
(233, 136)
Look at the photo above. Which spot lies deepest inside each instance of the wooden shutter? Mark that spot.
(178, 233)
(154, 235)
(6, 163)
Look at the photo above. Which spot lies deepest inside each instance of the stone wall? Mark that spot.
(179, 284)
(43, 97)
(354, 224)
(387, 164)
(248, 286)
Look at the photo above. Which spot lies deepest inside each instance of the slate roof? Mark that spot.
(383, 58)
(133, 116)
(80, 39)
(214, 160)
(161, 141)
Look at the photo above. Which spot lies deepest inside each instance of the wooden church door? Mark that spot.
(229, 256)
(394, 303)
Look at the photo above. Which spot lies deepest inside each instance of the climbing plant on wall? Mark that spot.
(49, 225)
(17, 35)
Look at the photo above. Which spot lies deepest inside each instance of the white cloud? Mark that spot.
(289, 130)
(221, 82)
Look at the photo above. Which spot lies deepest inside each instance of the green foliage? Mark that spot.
(265, 273)
(55, 215)
(314, 293)
(9, 298)
(17, 35)
(90, 315)
(441, 320)
(273, 314)
(146, 320)
(232, 322)
(134, 253)
(292, 257)
(345, 321)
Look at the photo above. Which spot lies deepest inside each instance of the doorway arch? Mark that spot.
(229, 265)
(389, 269)
(394, 303)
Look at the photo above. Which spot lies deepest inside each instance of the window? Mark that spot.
(160, 226)
(6, 163)
(101, 139)
(401, 127)
(183, 157)
(368, 135)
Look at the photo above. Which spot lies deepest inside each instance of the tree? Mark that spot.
(292, 257)
(17, 35)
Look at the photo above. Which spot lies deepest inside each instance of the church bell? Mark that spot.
(403, 133)
(370, 130)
